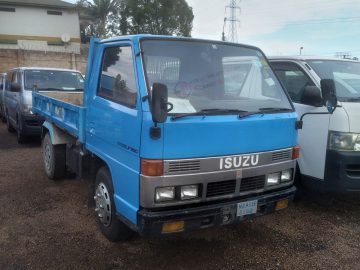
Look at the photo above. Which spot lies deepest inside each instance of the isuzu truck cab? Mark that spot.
(176, 133)
(330, 143)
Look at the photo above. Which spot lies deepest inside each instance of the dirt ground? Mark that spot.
(47, 225)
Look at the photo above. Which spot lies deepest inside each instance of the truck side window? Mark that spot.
(293, 78)
(117, 82)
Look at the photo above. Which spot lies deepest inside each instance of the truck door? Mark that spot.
(313, 136)
(114, 122)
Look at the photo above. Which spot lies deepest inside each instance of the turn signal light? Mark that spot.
(172, 227)
(296, 152)
(152, 167)
(282, 204)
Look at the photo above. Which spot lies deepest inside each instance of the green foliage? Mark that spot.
(99, 13)
(163, 17)
(121, 17)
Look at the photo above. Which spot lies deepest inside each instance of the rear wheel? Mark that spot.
(111, 227)
(53, 158)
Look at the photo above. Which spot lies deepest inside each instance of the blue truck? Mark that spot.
(175, 134)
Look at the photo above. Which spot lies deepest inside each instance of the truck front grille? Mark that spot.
(184, 166)
(281, 155)
(252, 183)
(221, 188)
(353, 170)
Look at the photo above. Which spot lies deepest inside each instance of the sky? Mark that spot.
(281, 27)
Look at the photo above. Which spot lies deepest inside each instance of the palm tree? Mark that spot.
(98, 11)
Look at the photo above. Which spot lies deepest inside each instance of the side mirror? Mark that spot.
(159, 103)
(328, 92)
(312, 96)
(15, 87)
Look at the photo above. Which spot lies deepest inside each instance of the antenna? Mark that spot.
(65, 38)
(233, 21)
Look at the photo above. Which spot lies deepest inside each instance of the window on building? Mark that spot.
(117, 82)
(7, 9)
(54, 12)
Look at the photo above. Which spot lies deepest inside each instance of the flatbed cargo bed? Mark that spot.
(65, 110)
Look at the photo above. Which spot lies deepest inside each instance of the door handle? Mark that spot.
(91, 128)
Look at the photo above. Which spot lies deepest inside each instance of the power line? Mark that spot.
(322, 21)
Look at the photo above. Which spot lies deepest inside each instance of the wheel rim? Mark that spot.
(47, 156)
(103, 204)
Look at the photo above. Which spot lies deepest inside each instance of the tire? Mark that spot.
(8, 125)
(53, 158)
(111, 227)
(21, 137)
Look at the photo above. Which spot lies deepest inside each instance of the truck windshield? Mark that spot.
(346, 75)
(202, 76)
(53, 80)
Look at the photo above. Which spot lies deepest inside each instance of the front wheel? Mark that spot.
(21, 137)
(8, 124)
(53, 158)
(111, 227)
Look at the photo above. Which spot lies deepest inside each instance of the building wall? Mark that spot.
(33, 28)
(21, 58)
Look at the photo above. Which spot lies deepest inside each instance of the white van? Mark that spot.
(330, 143)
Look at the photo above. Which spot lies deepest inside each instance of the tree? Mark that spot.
(162, 17)
(97, 14)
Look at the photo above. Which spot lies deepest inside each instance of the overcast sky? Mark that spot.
(322, 27)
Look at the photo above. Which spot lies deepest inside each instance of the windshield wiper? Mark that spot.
(240, 113)
(265, 110)
(49, 89)
(352, 99)
(205, 112)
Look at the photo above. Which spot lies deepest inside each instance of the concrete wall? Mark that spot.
(21, 58)
(33, 28)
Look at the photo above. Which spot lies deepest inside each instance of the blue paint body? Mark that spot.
(120, 135)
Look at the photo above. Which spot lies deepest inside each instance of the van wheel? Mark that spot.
(8, 124)
(21, 138)
(111, 227)
(53, 158)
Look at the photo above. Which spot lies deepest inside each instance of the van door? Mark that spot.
(114, 122)
(313, 136)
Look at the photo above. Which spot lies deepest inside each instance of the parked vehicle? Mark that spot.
(172, 137)
(2, 90)
(330, 144)
(18, 99)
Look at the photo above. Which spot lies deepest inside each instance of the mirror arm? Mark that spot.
(299, 124)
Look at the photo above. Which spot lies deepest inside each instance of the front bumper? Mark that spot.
(150, 223)
(31, 124)
(342, 172)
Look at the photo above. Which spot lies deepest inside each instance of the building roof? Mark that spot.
(39, 3)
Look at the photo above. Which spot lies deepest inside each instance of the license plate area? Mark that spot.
(247, 208)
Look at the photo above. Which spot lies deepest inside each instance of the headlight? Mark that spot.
(344, 141)
(286, 175)
(163, 194)
(189, 192)
(27, 109)
(273, 179)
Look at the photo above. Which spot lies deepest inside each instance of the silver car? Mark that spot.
(18, 95)
(2, 90)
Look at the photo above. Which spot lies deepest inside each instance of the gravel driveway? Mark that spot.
(47, 225)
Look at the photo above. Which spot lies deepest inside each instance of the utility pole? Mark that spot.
(233, 21)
